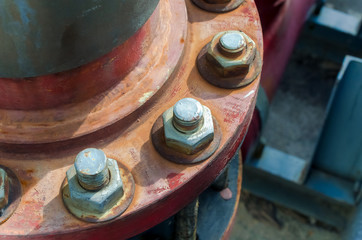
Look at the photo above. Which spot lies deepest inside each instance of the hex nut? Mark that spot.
(231, 65)
(98, 201)
(4, 188)
(188, 143)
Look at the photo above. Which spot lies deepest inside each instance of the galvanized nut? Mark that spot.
(94, 181)
(4, 188)
(231, 53)
(188, 126)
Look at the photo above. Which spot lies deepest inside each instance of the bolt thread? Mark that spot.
(92, 169)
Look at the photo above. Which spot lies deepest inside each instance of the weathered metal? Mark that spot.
(193, 138)
(119, 122)
(44, 37)
(186, 222)
(188, 115)
(231, 68)
(10, 193)
(92, 170)
(218, 6)
(165, 41)
(104, 204)
(202, 153)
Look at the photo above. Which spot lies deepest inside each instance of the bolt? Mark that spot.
(232, 42)
(91, 166)
(4, 188)
(188, 115)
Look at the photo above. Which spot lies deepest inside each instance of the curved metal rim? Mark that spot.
(158, 140)
(119, 208)
(218, 7)
(84, 118)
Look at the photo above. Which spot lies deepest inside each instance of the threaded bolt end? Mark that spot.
(188, 115)
(232, 42)
(91, 166)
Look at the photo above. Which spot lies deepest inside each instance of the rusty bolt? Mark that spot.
(231, 53)
(188, 126)
(4, 188)
(94, 181)
(92, 169)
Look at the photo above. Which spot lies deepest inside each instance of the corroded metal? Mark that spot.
(104, 204)
(10, 193)
(43, 37)
(188, 115)
(197, 132)
(218, 6)
(92, 169)
(229, 69)
(162, 188)
(165, 41)
(186, 222)
(159, 142)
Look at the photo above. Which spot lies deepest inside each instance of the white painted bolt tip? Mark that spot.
(188, 111)
(232, 41)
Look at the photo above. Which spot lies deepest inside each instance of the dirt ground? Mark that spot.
(258, 219)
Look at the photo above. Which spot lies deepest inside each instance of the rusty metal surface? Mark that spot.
(129, 94)
(162, 187)
(210, 73)
(111, 213)
(43, 37)
(158, 141)
(218, 7)
(14, 195)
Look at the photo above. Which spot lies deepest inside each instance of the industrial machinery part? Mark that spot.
(218, 6)
(230, 60)
(96, 189)
(113, 104)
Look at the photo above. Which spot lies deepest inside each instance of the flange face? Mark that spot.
(218, 7)
(158, 140)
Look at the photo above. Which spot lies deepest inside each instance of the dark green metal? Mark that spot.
(41, 37)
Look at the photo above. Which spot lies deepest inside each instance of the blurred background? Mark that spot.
(302, 161)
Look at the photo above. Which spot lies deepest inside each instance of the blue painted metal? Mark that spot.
(339, 148)
(300, 198)
(42, 37)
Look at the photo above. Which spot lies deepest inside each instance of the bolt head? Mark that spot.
(4, 188)
(232, 42)
(188, 143)
(99, 201)
(227, 63)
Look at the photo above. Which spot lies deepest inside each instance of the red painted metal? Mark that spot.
(120, 124)
(282, 21)
(79, 84)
